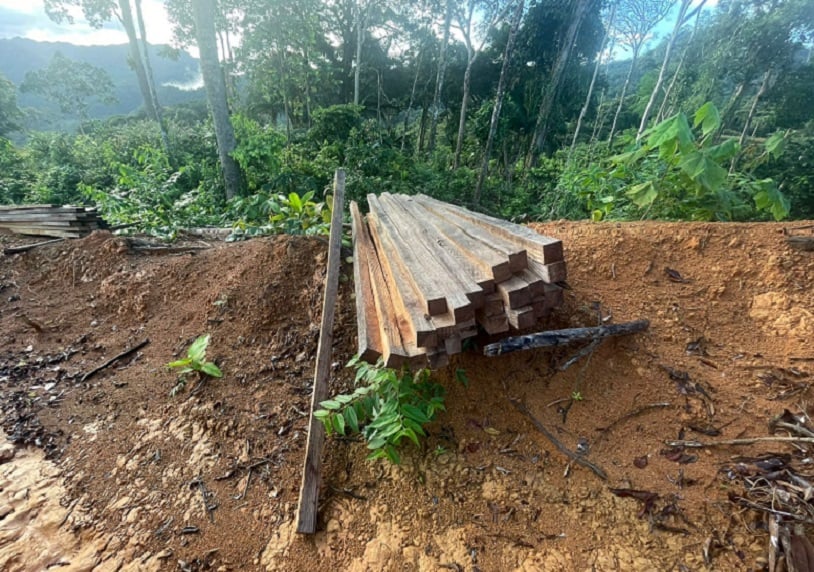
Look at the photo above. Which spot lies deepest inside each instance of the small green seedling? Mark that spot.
(194, 362)
(577, 396)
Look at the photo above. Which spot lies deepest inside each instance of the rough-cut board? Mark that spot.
(419, 331)
(516, 254)
(367, 320)
(309, 491)
(457, 268)
(439, 274)
(543, 248)
(45, 220)
(431, 279)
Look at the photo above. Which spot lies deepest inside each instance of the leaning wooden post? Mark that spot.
(309, 491)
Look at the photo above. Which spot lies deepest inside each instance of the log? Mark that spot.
(801, 242)
(311, 474)
(550, 273)
(367, 325)
(562, 337)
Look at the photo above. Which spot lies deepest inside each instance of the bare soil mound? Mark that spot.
(209, 479)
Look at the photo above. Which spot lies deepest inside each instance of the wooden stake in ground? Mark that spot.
(309, 491)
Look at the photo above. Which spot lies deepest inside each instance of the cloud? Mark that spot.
(191, 85)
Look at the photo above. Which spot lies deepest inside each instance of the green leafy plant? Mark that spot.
(195, 362)
(679, 171)
(388, 407)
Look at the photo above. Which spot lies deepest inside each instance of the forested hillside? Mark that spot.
(177, 77)
(623, 109)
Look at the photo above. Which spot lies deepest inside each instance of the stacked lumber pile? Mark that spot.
(48, 220)
(428, 274)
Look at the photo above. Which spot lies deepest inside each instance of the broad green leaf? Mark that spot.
(351, 419)
(724, 151)
(197, 351)
(703, 170)
(410, 434)
(376, 443)
(343, 399)
(392, 455)
(671, 134)
(642, 194)
(414, 413)
(772, 200)
(776, 144)
(295, 201)
(331, 405)
(322, 414)
(210, 368)
(707, 116)
(339, 424)
(596, 215)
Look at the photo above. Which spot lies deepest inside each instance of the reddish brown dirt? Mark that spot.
(487, 492)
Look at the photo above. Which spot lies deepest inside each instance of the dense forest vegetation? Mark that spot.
(529, 109)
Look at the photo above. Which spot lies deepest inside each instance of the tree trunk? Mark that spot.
(204, 15)
(663, 108)
(685, 4)
(358, 62)
(148, 68)
(422, 129)
(552, 89)
(412, 99)
(439, 80)
(459, 143)
(584, 110)
(126, 19)
(622, 95)
(499, 96)
(752, 109)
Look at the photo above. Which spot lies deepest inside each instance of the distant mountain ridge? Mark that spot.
(19, 56)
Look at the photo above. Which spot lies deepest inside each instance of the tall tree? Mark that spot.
(680, 21)
(99, 12)
(204, 17)
(551, 88)
(10, 114)
(492, 13)
(148, 69)
(508, 52)
(71, 85)
(439, 81)
(589, 95)
(635, 22)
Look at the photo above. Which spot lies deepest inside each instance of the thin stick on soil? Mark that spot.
(631, 414)
(550, 436)
(737, 442)
(18, 249)
(125, 353)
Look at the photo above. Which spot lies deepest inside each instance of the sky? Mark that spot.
(27, 19)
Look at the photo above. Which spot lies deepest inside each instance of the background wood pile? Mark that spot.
(48, 220)
(428, 273)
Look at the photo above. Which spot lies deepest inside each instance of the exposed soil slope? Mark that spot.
(209, 479)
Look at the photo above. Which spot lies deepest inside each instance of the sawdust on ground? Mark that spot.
(136, 480)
